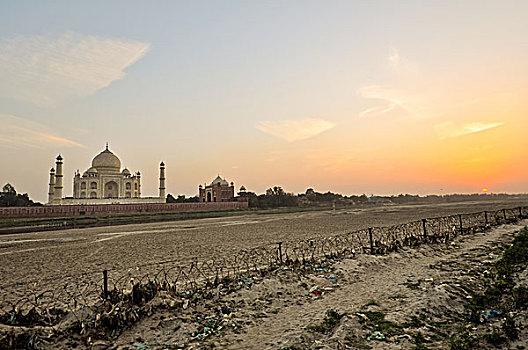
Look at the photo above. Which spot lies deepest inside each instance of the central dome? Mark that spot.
(107, 162)
(219, 181)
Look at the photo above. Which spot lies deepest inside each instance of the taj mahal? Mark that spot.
(103, 183)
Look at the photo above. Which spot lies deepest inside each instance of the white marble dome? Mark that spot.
(106, 162)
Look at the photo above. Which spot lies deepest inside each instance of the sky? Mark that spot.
(374, 97)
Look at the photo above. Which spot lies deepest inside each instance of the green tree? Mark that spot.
(10, 198)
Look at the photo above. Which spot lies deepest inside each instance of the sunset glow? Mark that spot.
(348, 97)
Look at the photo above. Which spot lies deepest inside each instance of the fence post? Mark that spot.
(280, 252)
(371, 241)
(504, 213)
(486, 217)
(520, 213)
(105, 284)
(460, 221)
(424, 228)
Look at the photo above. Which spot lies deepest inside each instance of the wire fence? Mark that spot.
(110, 300)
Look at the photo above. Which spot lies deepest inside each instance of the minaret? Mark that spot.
(162, 180)
(138, 175)
(58, 181)
(51, 189)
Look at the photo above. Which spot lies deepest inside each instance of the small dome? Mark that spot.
(125, 172)
(106, 162)
(217, 181)
(242, 189)
(92, 170)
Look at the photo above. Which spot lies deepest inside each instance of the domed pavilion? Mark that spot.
(105, 179)
(104, 182)
(219, 190)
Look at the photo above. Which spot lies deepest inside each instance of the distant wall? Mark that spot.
(98, 201)
(105, 209)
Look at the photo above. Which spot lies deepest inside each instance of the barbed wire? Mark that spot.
(116, 299)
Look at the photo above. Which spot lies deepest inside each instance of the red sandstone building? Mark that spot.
(221, 191)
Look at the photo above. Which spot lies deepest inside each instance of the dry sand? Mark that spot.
(33, 262)
(429, 283)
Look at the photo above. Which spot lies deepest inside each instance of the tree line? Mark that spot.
(276, 197)
(10, 198)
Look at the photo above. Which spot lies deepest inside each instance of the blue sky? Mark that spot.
(293, 93)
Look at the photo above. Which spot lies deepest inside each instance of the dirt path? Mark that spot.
(373, 279)
(415, 290)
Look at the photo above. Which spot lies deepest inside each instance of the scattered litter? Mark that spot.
(429, 280)
(212, 324)
(491, 314)
(376, 336)
(316, 290)
(362, 316)
(405, 336)
(411, 276)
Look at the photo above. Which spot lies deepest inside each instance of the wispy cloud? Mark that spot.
(394, 58)
(451, 129)
(294, 130)
(391, 99)
(45, 71)
(403, 65)
(18, 132)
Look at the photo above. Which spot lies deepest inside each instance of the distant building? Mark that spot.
(219, 190)
(103, 183)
